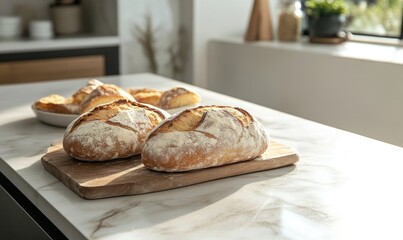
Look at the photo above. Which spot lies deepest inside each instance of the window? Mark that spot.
(375, 17)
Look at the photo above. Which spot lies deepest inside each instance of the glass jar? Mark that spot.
(289, 20)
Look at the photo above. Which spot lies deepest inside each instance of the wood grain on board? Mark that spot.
(93, 180)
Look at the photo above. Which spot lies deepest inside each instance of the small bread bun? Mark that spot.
(83, 92)
(203, 137)
(104, 94)
(178, 97)
(146, 95)
(56, 104)
(109, 131)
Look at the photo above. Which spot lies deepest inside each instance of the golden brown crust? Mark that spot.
(146, 95)
(114, 130)
(83, 92)
(107, 111)
(178, 97)
(103, 94)
(56, 104)
(203, 137)
(190, 119)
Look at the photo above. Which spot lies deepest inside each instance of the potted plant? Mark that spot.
(326, 17)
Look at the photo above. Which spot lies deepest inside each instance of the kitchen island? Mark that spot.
(344, 186)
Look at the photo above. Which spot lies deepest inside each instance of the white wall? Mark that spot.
(361, 96)
(201, 20)
(214, 19)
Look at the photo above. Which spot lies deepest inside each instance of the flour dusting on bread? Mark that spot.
(204, 137)
(114, 130)
(100, 139)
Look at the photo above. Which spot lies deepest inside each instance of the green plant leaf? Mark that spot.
(325, 7)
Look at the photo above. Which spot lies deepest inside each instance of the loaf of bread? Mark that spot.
(104, 93)
(178, 97)
(83, 92)
(146, 95)
(56, 104)
(109, 131)
(203, 137)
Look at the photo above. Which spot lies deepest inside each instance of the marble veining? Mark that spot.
(344, 187)
(107, 217)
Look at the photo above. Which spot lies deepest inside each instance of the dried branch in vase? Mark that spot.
(147, 40)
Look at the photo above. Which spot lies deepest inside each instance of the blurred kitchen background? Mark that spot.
(83, 38)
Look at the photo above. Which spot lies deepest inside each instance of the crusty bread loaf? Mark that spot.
(203, 137)
(109, 131)
(83, 92)
(56, 104)
(104, 94)
(146, 95)
(178, 97)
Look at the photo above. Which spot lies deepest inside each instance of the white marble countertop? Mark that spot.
(344, 187)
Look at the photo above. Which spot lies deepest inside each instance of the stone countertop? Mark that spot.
(345, 186)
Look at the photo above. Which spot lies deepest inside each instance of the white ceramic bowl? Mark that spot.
(54, 119)
(41, 29)
(9, 21)
(10, 27)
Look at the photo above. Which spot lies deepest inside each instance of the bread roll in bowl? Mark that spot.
(146, 95)
(83, 92)
(104, 93)
(203, 137)
(110, 131)
(55, 103)
(178, 97)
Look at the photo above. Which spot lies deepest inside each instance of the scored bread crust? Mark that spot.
(110, 131)
(203, 137)
(178, 97)
(83, 92)
(103, 94)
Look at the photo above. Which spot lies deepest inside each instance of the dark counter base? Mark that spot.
(47, 228)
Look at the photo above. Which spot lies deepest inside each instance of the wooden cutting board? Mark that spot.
(93, 180)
